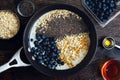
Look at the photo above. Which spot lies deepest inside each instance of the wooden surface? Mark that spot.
(90, 72)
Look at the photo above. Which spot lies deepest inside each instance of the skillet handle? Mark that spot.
(16, 60)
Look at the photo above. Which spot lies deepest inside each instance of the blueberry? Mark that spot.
(45, 43)
(112, 5)
(101, 18)
(103, 1)
(46, 62)
(87, 2)
(43, 36)
(50, 66)
(100, 5)
(54, 54)
(49, 46)
(40, 57)
(60, 62)
(90, 7)
(55, 50)
(108, 1)
(110, 11)
(51, 62)
(102, 14)
(52, 38)
(46, 39)
(40, 50)
(36, 52)
(48, 58)
(41, 62)
(44, 47)
(33, 49)
(107, 13)
(43, 53)
(31, 39)
(40, 54)
(48, 50)
(58, 51)
(53, 47)
(104, 8)
(105, 17)
(39, 47)
(38, 37)
(36, 43)
(35, 55)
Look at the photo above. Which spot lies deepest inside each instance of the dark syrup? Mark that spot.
(112, 69)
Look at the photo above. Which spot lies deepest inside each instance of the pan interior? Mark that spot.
(71, 38)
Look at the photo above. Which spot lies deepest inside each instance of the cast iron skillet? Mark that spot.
(59, 73)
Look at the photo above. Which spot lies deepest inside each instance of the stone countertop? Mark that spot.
(90, 72)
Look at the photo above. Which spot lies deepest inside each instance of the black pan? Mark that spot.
(87, 59)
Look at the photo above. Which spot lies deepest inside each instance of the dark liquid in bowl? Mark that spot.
(112, 70)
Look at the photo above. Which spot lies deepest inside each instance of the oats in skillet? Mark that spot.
(9, 24)
(72, 39)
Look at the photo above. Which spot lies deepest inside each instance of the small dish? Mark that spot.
(111, 70)
(108, 43)
(26, 8)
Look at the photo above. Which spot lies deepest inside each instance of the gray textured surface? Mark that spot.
(91, 72)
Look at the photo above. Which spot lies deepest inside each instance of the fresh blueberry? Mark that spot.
(103, 1)
(45, 43)
(48, 50)
(100, 5)
(31, 39)
(38, 37)
(39, 47)
(110, 11)
(36, 52)
(45, 48)
(40, 54)
(104, 8)
(43, 36)
(106, 13)
(50, 66)
(35, 55)
(90, 7)
(60, 62)
(53, 47)
(40, 50)
(49, 46)
(46, 39)
(101, 18)
(87, 2)
(41, 62)
(52, 42)
(54, 54)
(33, 49)
(58, 51)
(46, 62)
(47, 58)
(40, 57)
(36, 43)
(107, 1)
(106, 17)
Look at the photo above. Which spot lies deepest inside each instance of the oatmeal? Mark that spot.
(71, 33)
(9, 24)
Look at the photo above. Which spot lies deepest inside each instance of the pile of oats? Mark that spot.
(9, 24)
